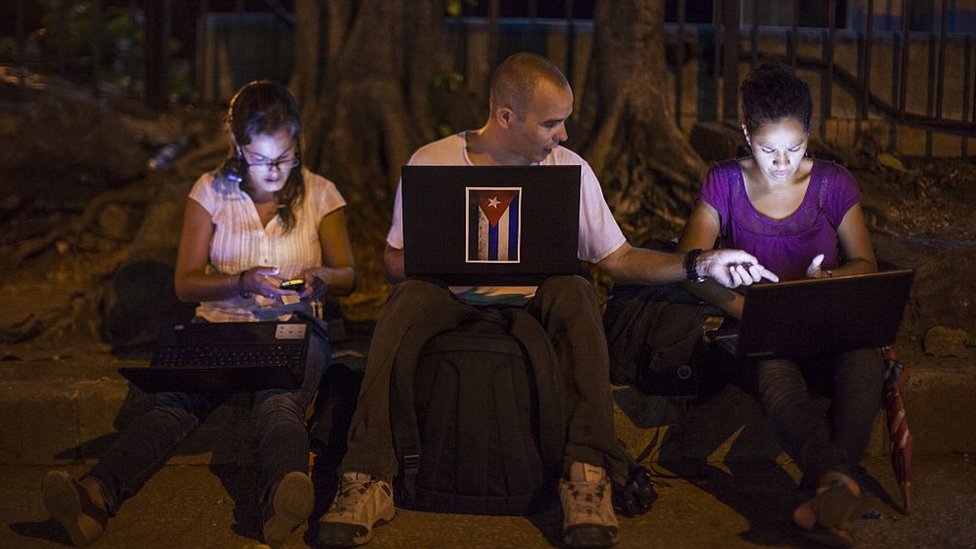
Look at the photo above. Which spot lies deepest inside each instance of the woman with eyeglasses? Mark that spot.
(257, 221)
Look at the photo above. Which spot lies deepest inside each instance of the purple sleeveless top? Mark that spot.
(785, 246)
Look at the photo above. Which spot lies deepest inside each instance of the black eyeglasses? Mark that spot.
(281, 164)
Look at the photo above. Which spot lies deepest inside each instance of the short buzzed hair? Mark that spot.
(516, 77)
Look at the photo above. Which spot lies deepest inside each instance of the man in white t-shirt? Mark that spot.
(529, 105)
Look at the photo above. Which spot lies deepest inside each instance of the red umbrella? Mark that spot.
(896, 378)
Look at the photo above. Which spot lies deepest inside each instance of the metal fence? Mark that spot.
(705, 66)
(860, 84)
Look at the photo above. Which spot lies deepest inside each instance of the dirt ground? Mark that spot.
(931, 201)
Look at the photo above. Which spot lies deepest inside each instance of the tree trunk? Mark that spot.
(362, 74)
(649, 172)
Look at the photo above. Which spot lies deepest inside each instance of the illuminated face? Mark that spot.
(541, 127)
(778, 147)
(270, 159)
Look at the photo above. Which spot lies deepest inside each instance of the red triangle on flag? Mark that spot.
(494, 203)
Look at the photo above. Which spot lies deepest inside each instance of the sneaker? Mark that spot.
(360, 503)
(69, 505)
(288, 508)
(588, 518)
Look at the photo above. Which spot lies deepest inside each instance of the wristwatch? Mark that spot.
(691, 258)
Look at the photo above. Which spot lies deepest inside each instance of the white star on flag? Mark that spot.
(493, 202)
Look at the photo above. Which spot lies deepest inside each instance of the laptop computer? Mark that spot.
(818, 316)
(490, 225)
(225, 357)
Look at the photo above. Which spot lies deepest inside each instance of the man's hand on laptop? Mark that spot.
(733, 268)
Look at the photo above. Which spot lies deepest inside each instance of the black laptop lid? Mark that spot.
(490, 225)
(224, 357)
(823, 315)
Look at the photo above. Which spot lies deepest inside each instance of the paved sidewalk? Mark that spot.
(64, 410)
(191, 507)
(67, 410)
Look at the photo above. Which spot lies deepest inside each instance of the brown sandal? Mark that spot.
(824, 516)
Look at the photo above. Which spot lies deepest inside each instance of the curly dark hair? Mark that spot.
(771, 92)
(265, 107)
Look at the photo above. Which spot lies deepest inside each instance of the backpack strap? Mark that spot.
(403, 415)
(552, 423)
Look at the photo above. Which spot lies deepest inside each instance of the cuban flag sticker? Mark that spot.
(494, 217)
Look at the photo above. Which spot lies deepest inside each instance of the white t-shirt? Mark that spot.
(240, 241)
(599, 234)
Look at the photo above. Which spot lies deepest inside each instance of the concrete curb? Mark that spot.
(731, 425)
(74, 420)
(72, 417)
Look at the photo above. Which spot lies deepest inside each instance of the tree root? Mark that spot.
(34, 246)
(48, 324)
(22, 330)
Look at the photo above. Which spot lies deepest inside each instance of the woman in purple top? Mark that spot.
(801, 218)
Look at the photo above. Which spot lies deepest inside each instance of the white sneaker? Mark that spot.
(360, 503)
(588, 517)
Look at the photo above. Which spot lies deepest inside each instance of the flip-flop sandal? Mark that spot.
(822, 518)
(805, 515)
(805, 522)
(837, 504)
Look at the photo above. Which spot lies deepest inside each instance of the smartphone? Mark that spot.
(297, 284)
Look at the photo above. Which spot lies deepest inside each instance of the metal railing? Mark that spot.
(732, 45)
(894, 111)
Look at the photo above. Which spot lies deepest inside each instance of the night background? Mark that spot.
(109, 110)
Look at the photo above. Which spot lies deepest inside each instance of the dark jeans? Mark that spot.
(145, 445)
(567, 309)
(854, 382)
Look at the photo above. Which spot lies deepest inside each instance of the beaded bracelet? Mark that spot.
(240, 286)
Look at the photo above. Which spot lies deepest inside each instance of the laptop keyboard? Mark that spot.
(229, 356)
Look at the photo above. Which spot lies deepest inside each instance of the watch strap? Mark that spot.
(691, 259)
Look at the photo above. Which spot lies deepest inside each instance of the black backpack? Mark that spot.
(477, 417)
(655, 338)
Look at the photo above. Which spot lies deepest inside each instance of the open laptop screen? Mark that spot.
(490, 225)
(824, 315)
